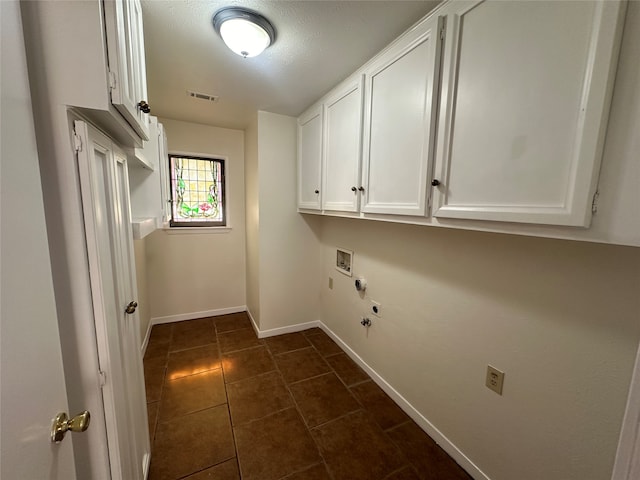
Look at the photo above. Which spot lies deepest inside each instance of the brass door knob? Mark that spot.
(62, 424)
(131, 307)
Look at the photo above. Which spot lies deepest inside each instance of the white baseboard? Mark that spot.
(253, 322)
(288, 329)
(146, 463)
(446, 444)
(281, 330)
(147, 335)
(195, 315)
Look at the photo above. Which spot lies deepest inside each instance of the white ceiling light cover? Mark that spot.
(245, 32)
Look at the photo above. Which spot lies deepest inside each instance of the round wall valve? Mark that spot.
(361, 284)
(366, 322)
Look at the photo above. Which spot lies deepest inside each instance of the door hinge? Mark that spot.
(112, 80)
(77, 142)
(102, 377)
(594, 202)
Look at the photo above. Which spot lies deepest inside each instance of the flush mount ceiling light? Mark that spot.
(245, 32)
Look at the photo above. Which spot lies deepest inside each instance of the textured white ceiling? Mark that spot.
(318, 44)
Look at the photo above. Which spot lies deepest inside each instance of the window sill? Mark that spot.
(194, 230)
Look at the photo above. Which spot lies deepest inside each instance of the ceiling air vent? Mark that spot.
(202, 96)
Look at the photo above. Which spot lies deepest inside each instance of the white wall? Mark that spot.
(252, 213)
(559, 317)
(288, 242)
(189, 273)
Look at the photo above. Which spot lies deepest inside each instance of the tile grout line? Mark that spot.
(299, 411)
(408, 464)
(164, 373)
(358, 402)
(226, 395)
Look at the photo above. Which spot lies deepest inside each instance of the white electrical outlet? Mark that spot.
(495, 379)
(375, 308)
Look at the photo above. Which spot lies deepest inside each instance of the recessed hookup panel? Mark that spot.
(344, 261)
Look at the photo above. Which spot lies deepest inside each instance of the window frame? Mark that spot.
(176, 224)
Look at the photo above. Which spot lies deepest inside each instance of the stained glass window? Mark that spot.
(197, 192)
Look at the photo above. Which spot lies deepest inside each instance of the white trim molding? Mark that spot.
(256, 328)
(195, 315)
(627, 463)
(147, 335)
(281, 330)
(446, 444)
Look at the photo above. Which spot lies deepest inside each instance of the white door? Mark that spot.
(399, 132)
(343, 148)
(105, 199)
(129, 318)
(32, 388)
(310, 158)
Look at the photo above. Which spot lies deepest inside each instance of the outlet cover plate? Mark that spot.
(495, 379)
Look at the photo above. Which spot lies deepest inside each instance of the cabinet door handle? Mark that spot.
(354, 189)
(317, 191)
(361, 188)
(435, 182)
(144, 106)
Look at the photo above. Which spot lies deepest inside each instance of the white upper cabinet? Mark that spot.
(342, 148)
(485, 115)
(310, 158)
(89, 55)
(524, 104)
(127, 71)
(399, 132)
(148, 182)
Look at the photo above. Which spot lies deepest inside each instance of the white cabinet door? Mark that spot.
(399, 123)
(147, 155)
(127, 70)
(525, 100)
(310, 159)
(103, 181)
(342, 148)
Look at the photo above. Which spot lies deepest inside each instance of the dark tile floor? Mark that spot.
(225, 405)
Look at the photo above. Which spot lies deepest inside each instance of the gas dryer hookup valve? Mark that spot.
(361, 284)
